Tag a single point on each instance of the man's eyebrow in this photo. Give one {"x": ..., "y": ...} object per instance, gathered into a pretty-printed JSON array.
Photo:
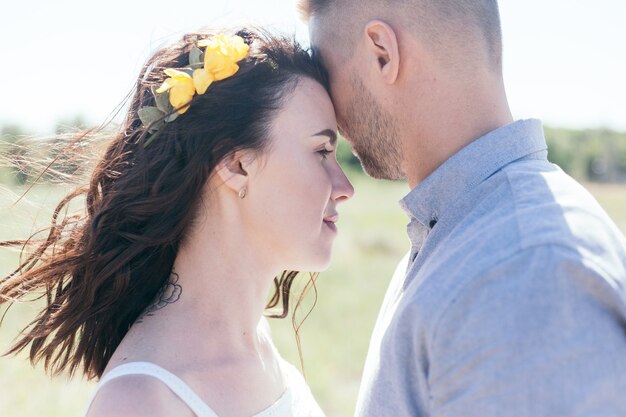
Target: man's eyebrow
[{"x": 330, "y": 133}]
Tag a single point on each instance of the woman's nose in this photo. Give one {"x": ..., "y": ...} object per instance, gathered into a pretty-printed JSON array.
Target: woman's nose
[{"x": 342, "y": 188}]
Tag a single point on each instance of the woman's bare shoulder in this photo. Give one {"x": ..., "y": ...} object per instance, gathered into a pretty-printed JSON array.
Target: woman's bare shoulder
[{"x": 137, "y": 396}]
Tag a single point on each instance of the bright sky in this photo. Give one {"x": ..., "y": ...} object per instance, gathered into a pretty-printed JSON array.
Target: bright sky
[{"x": 564, "y": 60}]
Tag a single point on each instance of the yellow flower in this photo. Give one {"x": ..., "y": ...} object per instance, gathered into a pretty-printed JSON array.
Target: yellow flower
[
  {"x": 222, "y": 54},
  {"x": 220, "y": 61},
  {"x": 215, "y": 61},
  {"x": 181, "y": 87},
  {"x": 202, "y": 79},
  {"x": 234, "y": 46},
  {"x": 226, "y": 72}
]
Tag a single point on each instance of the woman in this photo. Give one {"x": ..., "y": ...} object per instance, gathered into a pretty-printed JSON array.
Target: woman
[{"x": 223, "y": 176}]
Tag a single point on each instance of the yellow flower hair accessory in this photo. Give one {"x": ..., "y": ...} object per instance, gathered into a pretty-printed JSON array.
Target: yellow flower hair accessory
[{"x": 217, "y": 62}]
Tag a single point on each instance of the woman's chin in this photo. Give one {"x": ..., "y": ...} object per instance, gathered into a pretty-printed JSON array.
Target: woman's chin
[{"x": 318, "y": 264}]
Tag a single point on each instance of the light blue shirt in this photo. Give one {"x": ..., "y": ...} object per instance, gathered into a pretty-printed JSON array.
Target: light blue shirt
[{"x": 512, "y": 300}]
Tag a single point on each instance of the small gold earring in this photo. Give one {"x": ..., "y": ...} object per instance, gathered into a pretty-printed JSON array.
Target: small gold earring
[{"x": 243, "y": 192}]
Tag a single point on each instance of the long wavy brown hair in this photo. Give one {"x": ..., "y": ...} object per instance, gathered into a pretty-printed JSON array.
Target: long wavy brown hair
[{"x": 101, "y": 269}]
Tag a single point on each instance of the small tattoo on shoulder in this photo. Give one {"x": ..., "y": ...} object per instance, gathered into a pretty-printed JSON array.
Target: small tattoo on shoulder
[{"x": 169, "y": 294}]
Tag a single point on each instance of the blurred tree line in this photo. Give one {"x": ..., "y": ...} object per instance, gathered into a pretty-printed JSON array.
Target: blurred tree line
[
  {"x": 597, "y": 155},
  {"x": 593, "y": 154}
]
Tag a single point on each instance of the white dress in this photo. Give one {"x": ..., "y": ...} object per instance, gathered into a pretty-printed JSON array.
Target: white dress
[{"x": 296, "y": 401}]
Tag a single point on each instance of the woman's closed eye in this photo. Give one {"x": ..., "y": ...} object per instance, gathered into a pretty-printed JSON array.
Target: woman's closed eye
[{"x": 326, "y": 151}]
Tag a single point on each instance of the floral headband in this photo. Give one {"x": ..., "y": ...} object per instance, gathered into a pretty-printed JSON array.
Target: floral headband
[{"x": 217, "y": 62}]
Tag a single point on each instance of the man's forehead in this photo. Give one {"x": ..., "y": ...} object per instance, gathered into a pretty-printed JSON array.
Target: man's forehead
[
  {"x": 320, "y": 40},
  {"x": 316, "y": 29}
]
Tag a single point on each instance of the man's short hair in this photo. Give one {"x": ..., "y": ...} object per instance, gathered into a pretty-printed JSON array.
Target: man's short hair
[{"x": 437, "y": 21}]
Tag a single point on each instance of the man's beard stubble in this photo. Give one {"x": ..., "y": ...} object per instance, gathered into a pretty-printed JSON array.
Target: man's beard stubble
[{"x": 373, "y": 135}]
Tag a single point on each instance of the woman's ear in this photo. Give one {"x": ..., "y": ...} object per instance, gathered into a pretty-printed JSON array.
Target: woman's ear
[
  {"x": 382, "y": 47},
  {"x": 234, "y": 171}
]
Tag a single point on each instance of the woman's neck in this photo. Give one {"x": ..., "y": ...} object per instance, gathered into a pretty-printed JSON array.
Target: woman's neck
[
  {"x": 215, "y": 300},
  {"x": 224, "y": 287}
]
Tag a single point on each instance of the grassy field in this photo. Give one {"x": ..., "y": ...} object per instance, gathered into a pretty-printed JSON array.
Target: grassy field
[{"x": 335, "y": 337}]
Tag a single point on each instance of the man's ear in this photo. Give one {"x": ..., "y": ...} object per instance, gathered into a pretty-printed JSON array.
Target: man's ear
[
  {"x": 382, "y": 47},
  {"x": 234, "y": 170}
]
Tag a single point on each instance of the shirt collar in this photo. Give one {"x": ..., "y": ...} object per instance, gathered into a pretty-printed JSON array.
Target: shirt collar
[{"x": 472, "y": 165}]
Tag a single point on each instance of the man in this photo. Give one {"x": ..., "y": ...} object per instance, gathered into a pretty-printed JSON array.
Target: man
[{"x": 512, "y": 300}]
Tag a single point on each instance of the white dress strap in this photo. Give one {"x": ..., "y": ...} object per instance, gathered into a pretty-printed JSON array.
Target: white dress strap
[{"x": 182, "y": 390}]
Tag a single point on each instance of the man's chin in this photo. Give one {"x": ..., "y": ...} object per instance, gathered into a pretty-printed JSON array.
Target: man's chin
[
  {"x": 381, "y": 176},
  {"x": 380, "y": 173}
]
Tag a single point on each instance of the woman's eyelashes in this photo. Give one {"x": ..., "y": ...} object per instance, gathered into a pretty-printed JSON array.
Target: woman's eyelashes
[{"x": 327, "y": 150}]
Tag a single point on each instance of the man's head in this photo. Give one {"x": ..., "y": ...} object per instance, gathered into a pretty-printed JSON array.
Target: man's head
[
  {"x": 393, "y": 63},
  {"x": 437, "y": 22}
]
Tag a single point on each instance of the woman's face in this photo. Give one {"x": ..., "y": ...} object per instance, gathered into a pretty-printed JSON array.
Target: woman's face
[{"x": 293, "y": 196}]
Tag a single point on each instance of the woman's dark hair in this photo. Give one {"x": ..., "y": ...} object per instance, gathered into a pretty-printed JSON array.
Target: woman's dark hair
[{"x": 101, "y": 270}]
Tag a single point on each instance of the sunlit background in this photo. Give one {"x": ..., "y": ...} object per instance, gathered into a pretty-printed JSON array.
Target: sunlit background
[
  {"x": 564, "y": 60},
  {"x": 70, "y": 63}
]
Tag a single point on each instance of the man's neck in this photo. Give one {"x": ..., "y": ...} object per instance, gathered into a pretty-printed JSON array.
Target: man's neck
[{"x": 454, "y": 121}]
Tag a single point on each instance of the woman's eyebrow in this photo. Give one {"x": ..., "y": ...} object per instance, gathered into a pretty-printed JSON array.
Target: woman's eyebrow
[{"x": 330, "y": 133}]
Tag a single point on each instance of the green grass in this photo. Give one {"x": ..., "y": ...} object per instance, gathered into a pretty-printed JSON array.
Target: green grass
[{"x": 335, "y": 337}]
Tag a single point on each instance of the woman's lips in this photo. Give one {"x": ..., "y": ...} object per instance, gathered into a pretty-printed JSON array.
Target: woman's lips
[{"x": 330, "y": 221}]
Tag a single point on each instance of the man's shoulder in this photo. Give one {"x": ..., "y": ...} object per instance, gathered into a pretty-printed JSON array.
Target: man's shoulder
[
  {"x": 534, "y": 212},
  {"x": 551, "y": 208},
  {"x": 534, "y": 203}
]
